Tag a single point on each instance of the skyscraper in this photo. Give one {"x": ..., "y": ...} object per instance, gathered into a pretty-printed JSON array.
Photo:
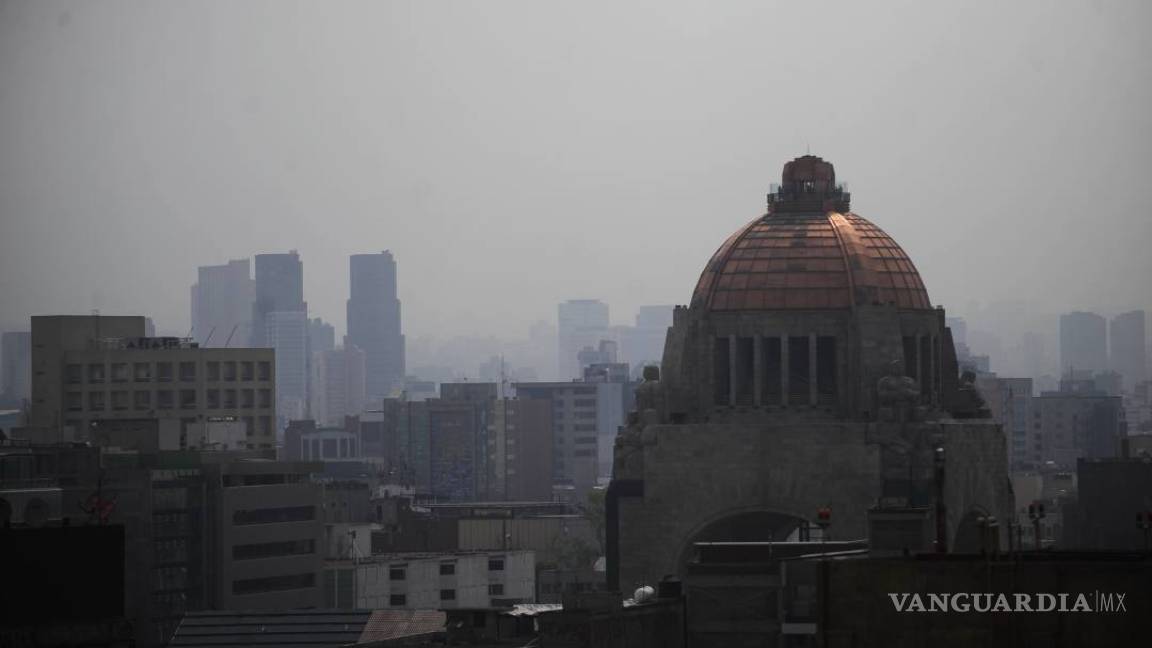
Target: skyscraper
[
  {"x": 280, "y": 321},
  {"x": 16, "y": 374},
  {"x": 279, "y": 287},
  {"x": 374, "y": 322},
  {"x": 1083, "y": 343},
  {"x": 222, "y": 304},
  {"x": 1127, "y": 348},
  {"x": 337, "y": 384},
  {"x": 582, "y": 322}
]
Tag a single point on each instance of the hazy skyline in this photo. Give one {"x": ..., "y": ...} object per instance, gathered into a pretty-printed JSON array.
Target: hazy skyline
[{"x": 513, "y": 155}]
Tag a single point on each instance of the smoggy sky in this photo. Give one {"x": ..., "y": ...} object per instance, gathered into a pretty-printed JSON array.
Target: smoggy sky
[{"x": 515, "y": 154}]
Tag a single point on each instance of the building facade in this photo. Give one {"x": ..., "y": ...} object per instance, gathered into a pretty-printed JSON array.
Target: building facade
[
  {"x": 16, "y": 366},
  {"x": 1083, "y": 343},
  {"x": 1127, "y": 348},
  {"x": 582, "y": 322},
  {"x": 374, "y": 322},
  {"x": 222, "y": 300},
  {"x": 91, "y": 370},
  {"x": 434, "y": 581},
  {"x": 810, "y": 371},
  {"x": 338, "y": 384}
]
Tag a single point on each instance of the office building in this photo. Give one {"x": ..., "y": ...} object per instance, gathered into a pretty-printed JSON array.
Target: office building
[
  {"x": 279, "y": 287},
  {"x": 15, "y": 367},
  {"x": 374, "y": 322},
  {"x": 1128, "y": 351},
  {"x": 1078, "y": 421},
  {"x": 1083, "y": 343},
  {"x": 97, "y": 368},
  {"x": 222, "y": 300},
  {"x": 582, "y": 322},
  {"x": 286, "y": 333},
  {"x": 338, "y": 384}
]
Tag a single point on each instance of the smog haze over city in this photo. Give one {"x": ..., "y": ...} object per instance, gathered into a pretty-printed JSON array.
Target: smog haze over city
[
  {"x": 666, "y": 324},
  {"x": 515, "y": 154}
]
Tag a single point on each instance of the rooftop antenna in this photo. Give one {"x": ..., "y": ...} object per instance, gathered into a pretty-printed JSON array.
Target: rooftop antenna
[{"x": 209, "y": 336}]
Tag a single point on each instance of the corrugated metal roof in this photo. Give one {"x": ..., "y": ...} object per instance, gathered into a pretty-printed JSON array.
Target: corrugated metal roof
[
  {"x": 310, "y": 628},
  {"x": 393, "y": 624}
]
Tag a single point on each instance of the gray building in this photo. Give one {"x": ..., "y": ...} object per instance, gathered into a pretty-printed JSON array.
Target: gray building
[
  {"x": 279, "y": 287},
  {"x": 222, "y": 304},
  {"x": 1083, "y": 343},
  {"x": 374, "y": 322},
  {"x": 1127, "y": 349},
  {"x": 582, "y": 322},
  {"x": 16, "y": 366},
  {"x": 1077, "y": 421},
  {"x": 1010, "y": 401},
  {"x": 99, "y": 368}
]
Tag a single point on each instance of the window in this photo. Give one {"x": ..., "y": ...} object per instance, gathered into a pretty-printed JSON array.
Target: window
[
  {"x": 249, "y": 426},
  {"x": 274, "y": 515},
  {"x": 213, "y": 398},
  {"x": 771, "y": 358},
  {"x": 96, "y": 401},
  {"x": 584, "y": 415},
  {"x": 799, "y": 370},
  {"x": 397, "y": 600},
  {"x": 496, "y": 589},
  {"x": 229, "y": 399},
  {"x": 164, "y": 371},
  {"x": 274, "y": 583},
  {"x": 74, "y": 401},
  {"x": 264, "y": 370},
  {"x": 273, "y": 549},
  {"x": 585, "y": 439},
  {"x": 142, "y": 400},
  {"x": 142, "y": 371},
  {"x": 584, "y": 402},
  {"x": 447, "y": 595},
  {"x": 230, "y": 371},
  {"x": 447, "y": 568},
  {"x": 265, "y": 398},
  {"x": 584, "y": 453},
  {"x": 187, "y": 371},
  {"x": 721, "y": 376},
  {"x": 213, "y": 371},
  {"x": 95, "y": 373},
  {"x": 119, "y": 372},
  {"x": 247, "y": 398},
  {"x": 496, "y": 563},
  {"x": 164, "y": 399},
  {"x": 73, "y": 374},
  {"x": 187, "y": 399},
  {"x": 398, "y": 572},
  {"x": 246, "y": 371},
  {"x": 120, "y": 400},
  {"x": 266, "y": 426},
  {"x": 584, "y": 427}
]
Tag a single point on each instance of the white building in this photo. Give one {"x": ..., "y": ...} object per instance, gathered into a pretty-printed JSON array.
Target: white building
[{"x": 432, "y": 581}]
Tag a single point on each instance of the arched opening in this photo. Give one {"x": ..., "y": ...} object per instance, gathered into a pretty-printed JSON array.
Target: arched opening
[
  {"x": 977, "y": 532},
  {"x": 751, "y": 526}
]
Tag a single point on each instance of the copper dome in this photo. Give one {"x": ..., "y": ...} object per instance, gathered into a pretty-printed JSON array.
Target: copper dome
[{"x": 803, "y": 256}]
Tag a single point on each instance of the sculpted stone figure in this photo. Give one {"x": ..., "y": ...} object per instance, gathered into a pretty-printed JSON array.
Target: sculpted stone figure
[
  {"x": 649, "y": 396},
  {"x": 969, "y": 402},
  {"x": 896, "y": 389}
]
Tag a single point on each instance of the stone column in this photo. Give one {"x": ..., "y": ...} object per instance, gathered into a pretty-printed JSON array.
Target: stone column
[
  {"x": 784, "y": 388},
  {"x": 812, "y": 396},
  {"x": 732, "y": 389},
  {"x": 757, "y": 369}
]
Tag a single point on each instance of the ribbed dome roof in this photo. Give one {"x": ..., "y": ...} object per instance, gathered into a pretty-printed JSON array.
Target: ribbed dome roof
[{"x": 809, "y": 261}]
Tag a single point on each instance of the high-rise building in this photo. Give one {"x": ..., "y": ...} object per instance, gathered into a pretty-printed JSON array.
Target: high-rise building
[
  {"x": 321, "y": 336},
  {"x": 16, "y": 366},
  {"x": 222, "y": 304},
  {"x": 643, "y": 344},
  {"x": 374, "y": 321},
  {"x": 1083, "y": 343},
  {"x": 279, "y": 287},
  {"x": 1010, "y": 402},
  {"x": 1077, "y": 421},
  {"x": 582, "y": 322},
  {"x": 1127, "y": 348},
  {"x": 337, "y": 384},
  {"x": 286, "y": 332}
]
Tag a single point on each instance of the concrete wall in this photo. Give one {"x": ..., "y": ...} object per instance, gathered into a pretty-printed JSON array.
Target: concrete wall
[{"x": 422, "y": 583}]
